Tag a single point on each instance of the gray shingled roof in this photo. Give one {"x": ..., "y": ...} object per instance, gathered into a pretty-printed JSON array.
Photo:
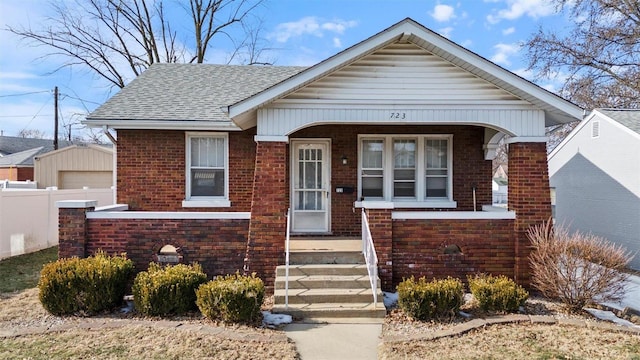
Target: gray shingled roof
[
  {"x": 23, "y": 158},
  {"x": 189, "y": 91},
  {"x": 627, "y": 117},
  {"x": 14, "y": 144}
]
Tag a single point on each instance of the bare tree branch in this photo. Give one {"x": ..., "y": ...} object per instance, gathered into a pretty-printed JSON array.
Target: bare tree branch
[
  {"x": 599, "y": 55},
  {"x": 118, "y": 39}
]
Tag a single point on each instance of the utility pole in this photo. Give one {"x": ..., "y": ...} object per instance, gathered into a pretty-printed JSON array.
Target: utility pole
[{"x": 55, "y": 118}]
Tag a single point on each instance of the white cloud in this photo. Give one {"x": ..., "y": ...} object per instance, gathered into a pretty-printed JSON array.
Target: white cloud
[
  {"x": 508, "y": 31},
  {"x": 336, "y": 42},
  {"x": 339, "y": 26},
  {"x": 446, "y": 32},
  {"x": 518, "y": 8},
  {"x": 443, "y": 13},
  {"x": 503, "y": 52},
  {"x": 309, "y": 25}
]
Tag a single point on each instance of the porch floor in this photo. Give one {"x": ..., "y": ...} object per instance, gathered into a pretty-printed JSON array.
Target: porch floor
[{"x": 334, "y": 244}]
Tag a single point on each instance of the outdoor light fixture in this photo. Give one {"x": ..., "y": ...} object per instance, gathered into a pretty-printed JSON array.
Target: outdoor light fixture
[{"x": 344, "y": 159}]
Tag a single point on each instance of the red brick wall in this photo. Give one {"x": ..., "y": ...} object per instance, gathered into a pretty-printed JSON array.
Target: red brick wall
[
  {"x": 469, "y": 166},
  {"x": 218, "y": 245},
  {"x": 418, "y": 248},
  {"x": 151, "y": 170},
  {"x": 529, "y": 197}
]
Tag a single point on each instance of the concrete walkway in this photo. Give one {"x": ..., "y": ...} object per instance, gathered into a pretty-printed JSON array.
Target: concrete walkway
[{"x": 319, "y": 341}]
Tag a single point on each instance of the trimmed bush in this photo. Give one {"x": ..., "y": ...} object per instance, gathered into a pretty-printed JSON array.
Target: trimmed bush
[
  {"x": 424, "y": 300},
  {"x": 167, "y": 290},
  {"x": 497, "y": 293},
  {"x": 577, "y": 269},
  {"x": 84, "y": 286},
  {"x": 232, "y": 298}
]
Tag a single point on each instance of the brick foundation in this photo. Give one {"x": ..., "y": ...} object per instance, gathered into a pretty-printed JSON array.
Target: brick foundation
[
  {"x": 218, "y": 245},
  {"x": 419, "y": 248}
]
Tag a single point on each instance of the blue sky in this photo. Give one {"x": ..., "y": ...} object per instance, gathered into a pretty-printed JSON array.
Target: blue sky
[{"x": 300, "y": 32}]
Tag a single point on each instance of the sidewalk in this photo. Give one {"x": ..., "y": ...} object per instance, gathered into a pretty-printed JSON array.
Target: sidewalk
[{"x": 319, "y": 341}]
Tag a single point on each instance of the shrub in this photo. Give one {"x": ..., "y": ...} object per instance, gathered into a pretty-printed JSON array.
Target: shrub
[
  {"x": 167, "y": 290},
  {"x": 497, "y": 292},
  {"x": 423, "y": 300},
  {"x": 232, "y": 298},
  {"x": 576, "y": 269},
  {"x": 84, "y": 286}
]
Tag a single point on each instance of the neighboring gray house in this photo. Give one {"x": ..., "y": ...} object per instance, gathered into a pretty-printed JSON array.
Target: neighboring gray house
[{"x": 595, "y": 173}]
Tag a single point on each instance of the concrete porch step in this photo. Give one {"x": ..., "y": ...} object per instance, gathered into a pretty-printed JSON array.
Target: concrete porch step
[
  {"x": 323, "y": 269},
  {"x": 325, "y": 244},
  {"x": 332, "y": 311},
  {"x": 324, "y": 281},
  {"x": 303, "y": 257},
  {"x": 325, "y": 295}
]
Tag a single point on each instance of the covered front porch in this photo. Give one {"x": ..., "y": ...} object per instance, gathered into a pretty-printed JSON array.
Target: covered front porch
[
  {"x": 419, "y": 227},
  {"x": 409, "y": 122}
]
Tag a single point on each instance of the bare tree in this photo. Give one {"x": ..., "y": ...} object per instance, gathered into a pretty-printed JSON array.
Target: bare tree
[
  {"x": 600, "y": 53},
  {"x": 32, "y": 134},
  {"x": 118, "y": 39}
]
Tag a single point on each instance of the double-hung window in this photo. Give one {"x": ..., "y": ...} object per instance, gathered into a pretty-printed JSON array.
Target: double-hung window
[
  {"x": 404, "y": 168},
  {"x": 372, "y": 168},
  {"x": 207, "y": 170},
  {"x": 411, "y": 170}
]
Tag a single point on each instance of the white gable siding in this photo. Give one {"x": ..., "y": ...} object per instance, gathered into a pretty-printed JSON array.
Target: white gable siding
[
  {"x": 406, "y": 81},
  {"x": 403, "y": 74},
  {"x": 615, "y": 151}
]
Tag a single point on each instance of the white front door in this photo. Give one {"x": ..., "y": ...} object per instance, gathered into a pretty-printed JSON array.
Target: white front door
[{"x": 310, "y": 186}]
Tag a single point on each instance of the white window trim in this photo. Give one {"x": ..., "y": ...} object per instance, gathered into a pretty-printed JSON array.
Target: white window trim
[
  {"x": 420, "y": 201},
  {"x": 205, "y": 201}
]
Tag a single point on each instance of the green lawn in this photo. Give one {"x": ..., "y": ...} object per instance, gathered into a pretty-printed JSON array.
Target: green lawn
[{"x": 22, "y": 272}]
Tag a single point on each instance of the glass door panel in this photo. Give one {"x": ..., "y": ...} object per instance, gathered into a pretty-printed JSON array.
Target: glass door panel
[{"x": 310, "y": 187}]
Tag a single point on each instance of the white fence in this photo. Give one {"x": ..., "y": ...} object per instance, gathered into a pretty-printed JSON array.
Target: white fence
[{"x": 29, "y": 218}]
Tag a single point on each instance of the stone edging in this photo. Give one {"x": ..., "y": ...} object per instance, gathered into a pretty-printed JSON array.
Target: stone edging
[
  {"x": 92, "y": 324},
  {"x": 511, "y": 319}
]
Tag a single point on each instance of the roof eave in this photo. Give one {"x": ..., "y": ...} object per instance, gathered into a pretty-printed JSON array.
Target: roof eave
[{"x": 192, "y": 125}]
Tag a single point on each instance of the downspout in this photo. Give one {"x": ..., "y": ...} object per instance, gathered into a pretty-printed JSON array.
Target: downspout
[{"x": 105, "y": 129}]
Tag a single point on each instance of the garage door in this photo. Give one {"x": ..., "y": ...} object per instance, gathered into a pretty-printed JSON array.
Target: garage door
[{"x": 80, "y": 179}]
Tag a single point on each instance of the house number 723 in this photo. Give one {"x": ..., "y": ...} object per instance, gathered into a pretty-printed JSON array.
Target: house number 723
[{"x": 398, "y": 115}]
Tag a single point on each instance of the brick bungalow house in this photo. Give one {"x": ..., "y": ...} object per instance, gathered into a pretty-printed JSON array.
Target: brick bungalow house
[{"x": 402, "y": 126}]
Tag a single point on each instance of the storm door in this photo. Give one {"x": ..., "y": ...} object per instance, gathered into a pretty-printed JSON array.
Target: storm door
[{"x": 310, "y": 186}]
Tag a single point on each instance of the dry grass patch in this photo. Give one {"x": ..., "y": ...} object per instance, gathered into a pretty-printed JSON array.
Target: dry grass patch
[
  {"x": 134, "y": 339},
  {"x": 23, "y": 309},
  {"x": 139, "y": 342},
  {"x": 522, "y": 341}
]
